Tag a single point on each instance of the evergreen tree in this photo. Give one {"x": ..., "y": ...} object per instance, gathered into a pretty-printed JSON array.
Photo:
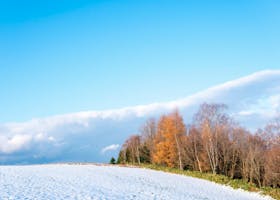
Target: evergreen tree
[{"x": 113, "y": 161}]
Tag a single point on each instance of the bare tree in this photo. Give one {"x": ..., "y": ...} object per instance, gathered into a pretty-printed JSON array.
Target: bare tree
[
  {"x": 134, "y": 145},
  {"x": 179, "y": 134},
  {"x": 272, "y": 165},
  {"x": 238, "y": 148},
  {"x": 252, "y": 159},
  {"x": 130, "y": 151},
  {"x": 194, "y": 149},
  {"x": 210, "y": 119},
  {"x": 148, "y": 132}
]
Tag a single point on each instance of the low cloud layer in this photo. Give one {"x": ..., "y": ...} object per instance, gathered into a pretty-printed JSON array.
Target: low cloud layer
[
  {"x": 96, "y": 135},
  {"x": 111, "y": 147}
]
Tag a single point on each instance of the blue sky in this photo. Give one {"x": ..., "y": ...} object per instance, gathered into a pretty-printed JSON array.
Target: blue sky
[{"x": 66, "y": 56}]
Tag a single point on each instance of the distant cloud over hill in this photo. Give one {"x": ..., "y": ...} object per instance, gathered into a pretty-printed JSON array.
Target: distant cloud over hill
[{"x": 96, "y": 135}]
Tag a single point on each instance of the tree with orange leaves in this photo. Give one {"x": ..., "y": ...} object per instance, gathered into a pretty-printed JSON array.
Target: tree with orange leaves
[{"x": 168, "y": 141}]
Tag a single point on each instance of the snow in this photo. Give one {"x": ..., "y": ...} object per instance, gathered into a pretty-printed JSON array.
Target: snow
[{"x": 64, "y": 181}]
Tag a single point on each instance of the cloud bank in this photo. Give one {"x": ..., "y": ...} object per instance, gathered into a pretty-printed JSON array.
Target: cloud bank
[
  {"x": 111, "y": 147},
  {"x": 96, "y": 135}
]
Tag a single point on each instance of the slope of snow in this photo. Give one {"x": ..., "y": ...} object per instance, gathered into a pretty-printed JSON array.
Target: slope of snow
[{"x": 108, "y": 182}]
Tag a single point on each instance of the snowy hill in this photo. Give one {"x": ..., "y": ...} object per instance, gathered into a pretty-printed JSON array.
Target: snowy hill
[
  {"x": 108, "y": 182},
  {"x": 97, "y": 135}
]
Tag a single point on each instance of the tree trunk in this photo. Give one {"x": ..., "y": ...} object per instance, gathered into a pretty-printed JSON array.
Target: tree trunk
[{"x": 179, "y": 153}]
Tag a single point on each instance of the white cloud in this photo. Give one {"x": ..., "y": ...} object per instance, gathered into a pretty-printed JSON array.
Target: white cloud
[
  {"x": 252, "y": 99},
  {"x": 111, "y": 147},
  {"x": 15, "y": 143},
  {"x": 246, "y": 113},
  {"x": 266, "y": 107}
]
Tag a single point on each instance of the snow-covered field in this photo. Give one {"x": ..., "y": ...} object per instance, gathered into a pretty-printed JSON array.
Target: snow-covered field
[{"x": 62, "y": 181}]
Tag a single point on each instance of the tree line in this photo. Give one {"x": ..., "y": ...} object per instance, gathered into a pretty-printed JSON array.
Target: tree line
[{"x": 213, "y": 142}]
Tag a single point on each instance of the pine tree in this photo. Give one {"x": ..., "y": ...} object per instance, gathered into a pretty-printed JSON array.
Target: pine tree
[{"x": 113, "y": 161}]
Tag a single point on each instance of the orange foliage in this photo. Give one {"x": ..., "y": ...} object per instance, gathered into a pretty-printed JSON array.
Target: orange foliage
[{"x": 167, "y": 143}]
